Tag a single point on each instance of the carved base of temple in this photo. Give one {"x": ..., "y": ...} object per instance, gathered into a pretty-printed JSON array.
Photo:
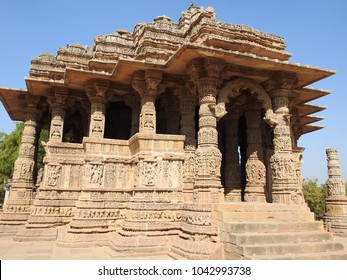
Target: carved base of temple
[
  {"x": 126, "y": 245},
  {"x": 82, "y": 240},
  {"x": 255, "y": 193},
  {"x": 232, "y": 194},
  {"x": 287, "y": 195},
  {"x": 39, "y": 234},
  {"x": 196, "y": 249},
  {"x": 15, "y": 214},
  {"x": 335, "y": 218},
  {"x": 6, "y": 229},
  {"x": 207, "y": 193}
]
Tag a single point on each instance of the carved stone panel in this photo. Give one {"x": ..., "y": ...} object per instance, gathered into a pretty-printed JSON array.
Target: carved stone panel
[
  {"x": 149, "y": 173},
  {"x": 53, "y": 175},
  {"x": 94, "y": 174}
]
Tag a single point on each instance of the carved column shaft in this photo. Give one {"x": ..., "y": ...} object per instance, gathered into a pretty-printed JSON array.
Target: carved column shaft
[
  {"x": 284, "y": 162},
  {"x": 135, "y": 116},
  {"x": 208, "y": 157},
  {"x": 255, "y": 167},
  {"x": 187, "y": 108},
  {"x": 146, "y": 83},
  {"x": 16, "y": 209},
  {"x": 148, "y": 114},
  {"x": 97, "y": 117},
  {"x": 57, "y": 103},
  {"x": 232, "y": 167},
  {"x": 335, "y": 217},
  {"x": 57, "y": 122},
  {"x": 96, "y": 92},
  {"x": 336, "y": 186},
  {"x": 24, "y": 165}
]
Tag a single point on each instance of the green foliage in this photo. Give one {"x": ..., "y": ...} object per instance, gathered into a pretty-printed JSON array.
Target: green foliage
[
  {"x": 315, "y": 196},
  {"x": 9, "y": 148}
]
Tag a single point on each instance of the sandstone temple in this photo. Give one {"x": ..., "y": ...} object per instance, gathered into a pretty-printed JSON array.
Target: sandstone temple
[{"x": 179, "y": 138}]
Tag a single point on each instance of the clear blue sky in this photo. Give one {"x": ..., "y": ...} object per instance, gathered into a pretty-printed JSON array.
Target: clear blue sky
[{"x": 314, "y": 32}]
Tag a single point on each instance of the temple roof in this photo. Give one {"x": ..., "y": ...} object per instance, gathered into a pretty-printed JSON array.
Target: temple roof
[{"x": 168, "y": 46}]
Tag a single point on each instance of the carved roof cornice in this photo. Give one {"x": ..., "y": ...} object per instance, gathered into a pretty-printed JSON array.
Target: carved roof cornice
[{"x": 176, "y": 50}]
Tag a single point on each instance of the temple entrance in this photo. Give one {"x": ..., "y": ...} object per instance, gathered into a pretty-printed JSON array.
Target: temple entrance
[
  {"x": 232, "y": 142},
  {"x": 245, "y": 141}
]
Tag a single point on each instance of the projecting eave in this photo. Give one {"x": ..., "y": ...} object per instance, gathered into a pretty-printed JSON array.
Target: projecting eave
[
  {"x": 305, "y": 95},
  {"x": 306, "y": 120},
  {"x": 309, "y": 109},
  {"x": 311, "y": 128},
  {"x": 42, "y": 87},
  {"x": 305, "y": 74},
  {"x": 11, "y": 99}
]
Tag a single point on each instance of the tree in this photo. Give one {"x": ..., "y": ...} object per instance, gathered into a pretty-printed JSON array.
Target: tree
[{"x": 315, "y": 196}]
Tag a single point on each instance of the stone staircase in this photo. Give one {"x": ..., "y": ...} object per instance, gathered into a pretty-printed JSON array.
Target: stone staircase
[{"x": 274, "y": 231}]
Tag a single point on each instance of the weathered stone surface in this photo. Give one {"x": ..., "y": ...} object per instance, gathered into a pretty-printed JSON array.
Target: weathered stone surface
[
  {"x": 335, "y": 217},
  {"x": 151, "y": 131}
]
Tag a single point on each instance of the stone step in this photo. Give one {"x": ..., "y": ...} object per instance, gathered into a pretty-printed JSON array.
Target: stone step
[
  {"x": 336, "y": 255},
  {"x": 265, "y": 216},
  {"x": 273, "y": 238},
  {"x": 286, "y": 248},
  {"x": 260, "y": 207},
  {"x": 264, "y": 227}
]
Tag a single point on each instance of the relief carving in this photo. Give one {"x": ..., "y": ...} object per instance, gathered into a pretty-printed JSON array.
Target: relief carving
[
  {"x": 94, "y": 174},
  {"x": 149, "y": 173},
  {"x": 53, "y": 175}
]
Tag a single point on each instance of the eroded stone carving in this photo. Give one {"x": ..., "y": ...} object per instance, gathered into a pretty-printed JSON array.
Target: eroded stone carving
[
  {"x": 152, "y": 191},
  {"x": 335, "y": 217}
]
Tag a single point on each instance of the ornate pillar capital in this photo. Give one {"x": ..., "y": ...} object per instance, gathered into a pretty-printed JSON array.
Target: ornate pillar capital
[
  {"x": 147, "y": 85},
  {"x": 96, "y": 92}
]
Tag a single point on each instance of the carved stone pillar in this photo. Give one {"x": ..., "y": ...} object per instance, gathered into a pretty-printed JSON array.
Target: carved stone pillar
[
  {"x": 96, "y": 94},
  {"x": 16, "y": 209},
  {"x": 187, "y": 110},
  {"x": 208, "y": 187},
  {"x": 57, "y": 104},
  {"x": 255, "y": 167},
  {"x": 146, "y": 84},
  {"x": 232, "y": 168},
  {"x": 335, "y": 217},
  {"x": 134, "y": 103},
  {"x": 283, "y": 162},
  {"x": 135, "y": 116}
]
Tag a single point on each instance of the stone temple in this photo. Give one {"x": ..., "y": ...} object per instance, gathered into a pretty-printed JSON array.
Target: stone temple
[{"x": 178, "y": 138}]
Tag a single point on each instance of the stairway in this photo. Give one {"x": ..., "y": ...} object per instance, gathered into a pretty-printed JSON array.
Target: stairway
[{"x": 274, "y": 231}]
